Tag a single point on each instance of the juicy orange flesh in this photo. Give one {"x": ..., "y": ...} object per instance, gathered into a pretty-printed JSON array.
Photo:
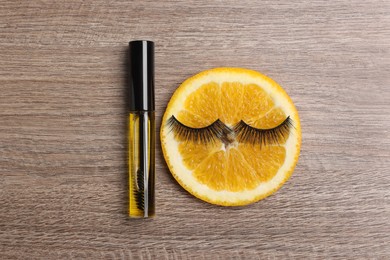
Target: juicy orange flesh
[{"x": 236, "y": 166}]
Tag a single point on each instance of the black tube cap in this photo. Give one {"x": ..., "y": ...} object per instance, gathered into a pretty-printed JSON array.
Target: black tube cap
[{"x": 141, "y": 92}]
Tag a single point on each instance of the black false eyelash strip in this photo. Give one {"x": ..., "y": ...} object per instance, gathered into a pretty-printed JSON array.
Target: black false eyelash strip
[
  {"x": 204, "y": 135},
  {"x": 248, "y": 134}
]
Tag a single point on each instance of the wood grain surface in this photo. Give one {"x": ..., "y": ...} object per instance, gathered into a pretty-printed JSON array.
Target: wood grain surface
[{"x": 63, "y": 178}]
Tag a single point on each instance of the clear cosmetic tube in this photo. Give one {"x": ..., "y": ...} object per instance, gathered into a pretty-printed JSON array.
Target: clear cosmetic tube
[{"x": 141, "y": 130}]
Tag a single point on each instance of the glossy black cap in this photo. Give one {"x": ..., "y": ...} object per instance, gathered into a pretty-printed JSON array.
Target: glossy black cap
[{"x": 141, "y": 92}]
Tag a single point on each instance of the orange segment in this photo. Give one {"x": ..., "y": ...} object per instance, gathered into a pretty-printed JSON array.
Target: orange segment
[
  {"x": 190, "y": 119},
  {"x": 205, "y": 102},
  {"x": 241, "y": 176},
  {"x": 256, "y": 103},
  {"x": 193, "y": 154},
  {"x": 273, "y": 118},
  {"x": 266, "y": 160},
  {"x": 231, "y": 102},
  {"x": 211, "y": 171}
]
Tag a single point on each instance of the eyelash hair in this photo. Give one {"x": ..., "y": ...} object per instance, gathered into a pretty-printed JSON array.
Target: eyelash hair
[
  {"x": 207, "y": 134},
  {"x": 248, "y": 134}
]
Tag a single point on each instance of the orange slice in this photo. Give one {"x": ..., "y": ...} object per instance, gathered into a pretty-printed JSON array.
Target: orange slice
[{"x": 232, "y": 172}]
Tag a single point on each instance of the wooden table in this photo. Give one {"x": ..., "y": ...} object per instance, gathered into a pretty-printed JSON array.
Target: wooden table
[{"x": 63, "y": 179}]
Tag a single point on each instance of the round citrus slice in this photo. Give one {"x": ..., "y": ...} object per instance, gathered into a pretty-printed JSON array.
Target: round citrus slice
[{"x": 230, "y": 136}]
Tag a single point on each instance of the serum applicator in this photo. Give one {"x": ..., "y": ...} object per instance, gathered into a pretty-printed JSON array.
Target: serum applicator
[{"x": 141, "y": 130}]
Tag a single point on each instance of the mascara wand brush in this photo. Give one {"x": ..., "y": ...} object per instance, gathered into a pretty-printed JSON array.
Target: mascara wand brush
[
  {"x": 143, "y": 131},
  {"x": 142, "y": 180}
]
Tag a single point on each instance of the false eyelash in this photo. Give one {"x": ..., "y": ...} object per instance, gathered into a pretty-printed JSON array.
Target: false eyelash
[
  {"x": 204, "y": 135},
  {"x": 249, "y": 134}
]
